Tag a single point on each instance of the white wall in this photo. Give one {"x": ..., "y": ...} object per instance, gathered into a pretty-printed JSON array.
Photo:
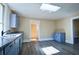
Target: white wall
[
  {"x": 25, "y": 27},
  {"x": 65, "y": 25},
  {"x": 46, "y": 29}
]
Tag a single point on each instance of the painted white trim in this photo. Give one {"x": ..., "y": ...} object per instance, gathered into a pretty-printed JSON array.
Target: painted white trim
[
  {"x": 42, "y": 39},
  {"x": 45, "y": 39},
  {"x": 75, "y": 17},
  {"x": 26, "y": 40},
  {"x": 70, "y": 42},
  {"x": 72, "y": 28}
]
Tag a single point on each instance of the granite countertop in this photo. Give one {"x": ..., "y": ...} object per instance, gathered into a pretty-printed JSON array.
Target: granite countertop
[{"x": 7, "y": 39}]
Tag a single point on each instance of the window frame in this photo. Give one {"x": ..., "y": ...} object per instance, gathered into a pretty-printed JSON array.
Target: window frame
[{"x": 2, "y": 17}]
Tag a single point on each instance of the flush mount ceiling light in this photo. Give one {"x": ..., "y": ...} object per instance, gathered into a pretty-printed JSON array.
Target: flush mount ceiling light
[{"x": 50, "y": 8}]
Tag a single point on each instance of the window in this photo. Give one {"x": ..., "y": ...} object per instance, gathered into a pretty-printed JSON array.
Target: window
[{"x": 1, "y": 18}]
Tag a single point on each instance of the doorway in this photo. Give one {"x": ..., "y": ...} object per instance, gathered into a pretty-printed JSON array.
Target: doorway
[
  {"x": 34, "y": 32},
  {"x": 76, "y": 30}
]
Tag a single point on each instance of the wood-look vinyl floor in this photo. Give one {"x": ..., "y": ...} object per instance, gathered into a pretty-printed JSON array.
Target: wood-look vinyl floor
[{"x": 34, "y": 48}]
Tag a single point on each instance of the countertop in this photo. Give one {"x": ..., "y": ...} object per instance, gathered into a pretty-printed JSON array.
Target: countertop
[{"x": 7, "y": 39}]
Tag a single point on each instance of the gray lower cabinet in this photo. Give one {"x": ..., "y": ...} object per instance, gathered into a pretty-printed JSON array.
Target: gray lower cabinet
[
  {"x": 1, "y": 52},
  {"x": 17, "y": 45},
  {"x": 14, "y": 47},
  {"x": 20, "y": 43},
  {"x": 11, "y": 49}
]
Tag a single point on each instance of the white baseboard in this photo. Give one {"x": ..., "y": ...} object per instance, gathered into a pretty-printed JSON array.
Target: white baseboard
[
  {"x": 26, "y": 40},
  {"x": 69, "y": 41},
  {"x": 41, "y": 39},
  {"x": 45, "y": 39}
]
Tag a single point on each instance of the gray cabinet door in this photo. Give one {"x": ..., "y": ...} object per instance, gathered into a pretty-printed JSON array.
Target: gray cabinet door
[
  {"x": 14, "y": 50},
  {"x": 20, "y": 43},
  {"x": 8, "y": 49},
  {"x": 14, "y": 47},
  {"x": 17, "y": 45},
  {"x": 1, "y": 52}
]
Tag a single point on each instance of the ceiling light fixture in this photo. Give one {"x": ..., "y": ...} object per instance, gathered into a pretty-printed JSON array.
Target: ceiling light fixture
[{"x": 49, "y": 7}]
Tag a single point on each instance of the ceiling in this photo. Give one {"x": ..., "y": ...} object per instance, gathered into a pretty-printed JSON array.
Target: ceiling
[{"x": 32, "y": 10}]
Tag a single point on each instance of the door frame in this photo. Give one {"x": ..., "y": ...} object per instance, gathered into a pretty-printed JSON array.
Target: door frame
[
  {"x": 72, "y": 27},
  {"x": 37, "y": 22}
]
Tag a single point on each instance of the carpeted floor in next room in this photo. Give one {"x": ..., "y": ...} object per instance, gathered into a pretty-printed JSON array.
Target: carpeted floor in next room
[{"x": 49, "y": 48}]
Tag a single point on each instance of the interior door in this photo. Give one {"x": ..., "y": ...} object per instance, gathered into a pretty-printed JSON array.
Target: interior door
[{"x": 76, "y": 31}]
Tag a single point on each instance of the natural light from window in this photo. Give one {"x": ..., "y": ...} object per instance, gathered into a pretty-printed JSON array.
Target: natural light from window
[
  {"x": 1, "y": 15},
  {"x": 50, "y": 50}
]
